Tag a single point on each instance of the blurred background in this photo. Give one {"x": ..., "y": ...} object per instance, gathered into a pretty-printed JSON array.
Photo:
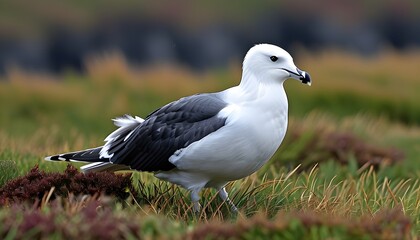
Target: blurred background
[
  {"x": 52, "y": 36},
  {"x": 68, "y": 67}
]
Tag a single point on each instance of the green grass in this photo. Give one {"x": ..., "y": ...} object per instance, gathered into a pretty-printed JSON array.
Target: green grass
[
  {"x": 41, "y": 116},
  {"x": 348, "y": 192}
]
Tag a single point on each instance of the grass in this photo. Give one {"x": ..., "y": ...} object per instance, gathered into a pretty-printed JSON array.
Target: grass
[
  {"x": 355, "y": 194},
  {"x": 312, "y": 188},
  {"x": 312, "y": 194}
]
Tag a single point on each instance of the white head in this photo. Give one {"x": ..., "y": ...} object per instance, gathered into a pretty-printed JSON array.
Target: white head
[{"x": 271, "y": 63}]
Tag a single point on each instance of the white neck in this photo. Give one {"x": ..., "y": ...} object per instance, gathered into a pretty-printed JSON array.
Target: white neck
[{"x": 252, "y": 87}]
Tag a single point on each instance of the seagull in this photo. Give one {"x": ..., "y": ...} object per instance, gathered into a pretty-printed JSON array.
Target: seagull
[{"x": 208, "y": 139}]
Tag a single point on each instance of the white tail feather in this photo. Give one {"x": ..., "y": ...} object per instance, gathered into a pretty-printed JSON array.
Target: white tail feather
[{"x": 126, "y": 124}]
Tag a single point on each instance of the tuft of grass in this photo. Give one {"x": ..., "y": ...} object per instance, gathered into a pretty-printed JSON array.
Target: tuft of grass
[
  {"x": 327, "y": 189},
  {"x": 315, "y": 146}
]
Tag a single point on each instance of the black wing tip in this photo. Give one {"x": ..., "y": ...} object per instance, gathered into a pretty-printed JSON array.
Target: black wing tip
[
  {"x": 56, "y": 158},
  {"x": 51, "y": 158}
]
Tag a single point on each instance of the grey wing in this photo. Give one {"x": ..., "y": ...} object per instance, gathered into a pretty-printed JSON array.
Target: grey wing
[{"x": 172, "y": 127}]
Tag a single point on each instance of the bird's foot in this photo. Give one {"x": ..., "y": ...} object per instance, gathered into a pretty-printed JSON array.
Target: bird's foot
[
  {"x": 224, "y": 196},
  {"x": 196, "y": 208},
  {"x": 234, "y": 209}
]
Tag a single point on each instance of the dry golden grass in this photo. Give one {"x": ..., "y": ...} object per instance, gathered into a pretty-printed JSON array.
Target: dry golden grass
[
  {"x": 390, "y": 74},
  {"x": 165, "y": 79}
]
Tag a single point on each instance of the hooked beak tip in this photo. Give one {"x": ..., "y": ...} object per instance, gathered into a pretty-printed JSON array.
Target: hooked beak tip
[
  {"x": 303, "y": 76},
  {"x": 306, "y": 78}
]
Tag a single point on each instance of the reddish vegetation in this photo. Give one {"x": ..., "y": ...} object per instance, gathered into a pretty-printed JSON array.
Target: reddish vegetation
[
  {"x": 388, "y": 224},
  {"x": 34, "y": 185},
  {"x": 341, "y": 145},
  {"x": 93, "y": 221},
  {"x": 322, "y": 146}
]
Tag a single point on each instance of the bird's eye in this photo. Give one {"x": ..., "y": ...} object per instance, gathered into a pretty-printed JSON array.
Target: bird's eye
[{"x": 274, "y": 58}]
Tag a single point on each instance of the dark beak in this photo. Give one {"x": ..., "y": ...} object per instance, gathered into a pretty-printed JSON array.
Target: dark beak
[
  {"x": 300, "y": 75},
  {"x": 304, "y": 77}
]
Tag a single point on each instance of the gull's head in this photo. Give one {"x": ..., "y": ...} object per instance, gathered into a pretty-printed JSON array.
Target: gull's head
[{"x": 271, "y": 63}]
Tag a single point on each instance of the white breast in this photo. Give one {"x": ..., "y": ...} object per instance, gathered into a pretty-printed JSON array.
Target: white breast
[{"x": 254, "y": 130}]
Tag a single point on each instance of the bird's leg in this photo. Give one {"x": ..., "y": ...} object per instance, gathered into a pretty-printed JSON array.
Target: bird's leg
[
  {"x": 195, "y": 198},
  {"x": 225, "y": 197}
]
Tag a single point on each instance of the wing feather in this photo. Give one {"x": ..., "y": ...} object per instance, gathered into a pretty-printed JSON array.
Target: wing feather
[{"x": 149, "y": 145}]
